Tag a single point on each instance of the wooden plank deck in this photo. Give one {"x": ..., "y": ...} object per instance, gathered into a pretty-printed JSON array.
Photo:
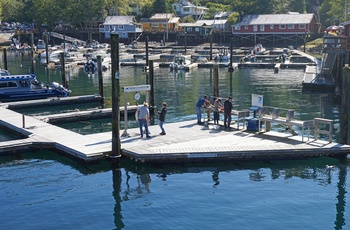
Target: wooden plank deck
[{"x": 185, "y": 141}]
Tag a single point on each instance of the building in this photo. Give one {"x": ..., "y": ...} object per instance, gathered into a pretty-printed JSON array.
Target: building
[
  {"x": 125, "y": 26},
  {"x": 161, "y": 22},
  {"x": 290, "y": 28},
  {"x": 185, "y": 8}
]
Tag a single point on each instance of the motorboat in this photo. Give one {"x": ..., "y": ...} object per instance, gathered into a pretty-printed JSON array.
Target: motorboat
[
  {"x": 40, "y": 44},
  {"x": 4, "y": 72},
  {"x": 91, "y": 64},
  {"x": 180, "y": 62},
  {"x": 259, "y": 49},
  {"x": 27, "y": 87},
  {"x": 223, "y": 55}
]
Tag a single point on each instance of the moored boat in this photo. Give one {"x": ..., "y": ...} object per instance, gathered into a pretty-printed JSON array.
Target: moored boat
[
  {"x": 27, "y": 87},
  {"x": 180, "y": 62}
]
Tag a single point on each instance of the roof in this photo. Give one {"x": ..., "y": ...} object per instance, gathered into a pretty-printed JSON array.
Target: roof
[
  {"x": 162, "y": 16},
  {"x": 174, "y": 20},
  {"x": 213, "y": 22},
  {"x": 190, "y": 24},
  {"x": 119, "y": 20},
  {"x": 266, "y": 19}
]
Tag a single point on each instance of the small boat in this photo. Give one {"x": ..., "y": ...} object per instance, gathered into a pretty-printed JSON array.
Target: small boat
[
  {"x": 4, "y": 72},
  {"x": 259, "y": 49},
  {"x": 27, "y": 87},
  {"x": 40, "y": 44},
  {"x": 180, "y": 62},
  {"x": 223, "y": 55}
]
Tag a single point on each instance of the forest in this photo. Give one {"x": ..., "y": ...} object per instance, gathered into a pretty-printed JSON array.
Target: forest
[{"x": 78, "y": 12}]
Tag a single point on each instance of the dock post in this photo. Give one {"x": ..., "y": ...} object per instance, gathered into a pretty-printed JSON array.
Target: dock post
[
  {"x": 147, "y": 64},
  {"x": 211, "y": 47},
  {"x": 5, "y": 58},
  {"x": 32, "y": 52},
  {"x": 63, "y": 70},
  {"x": 47, "y": 55},
  {"x": 216, "y": 80},
  {"x": 116, "y": 149},
  {"x": 151, "y": 82},
  {"x": 100, "y": 79},
  {"x": 23, "y": 121},
  {"x": 345, "y": 105},
  {"x": 230, "y": 68}
]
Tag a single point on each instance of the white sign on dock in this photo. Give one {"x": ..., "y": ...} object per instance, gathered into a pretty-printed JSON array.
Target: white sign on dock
[
  {"x": 257, "y": 100},
  {"x": 136, "y": 88}
]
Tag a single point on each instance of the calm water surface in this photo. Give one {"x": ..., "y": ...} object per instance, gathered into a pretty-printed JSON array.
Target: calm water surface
[{"x": 43, "y": 190}]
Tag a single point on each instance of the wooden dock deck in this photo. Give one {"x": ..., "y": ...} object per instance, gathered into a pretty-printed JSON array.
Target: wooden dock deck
[{"x": 185, "y": 142}]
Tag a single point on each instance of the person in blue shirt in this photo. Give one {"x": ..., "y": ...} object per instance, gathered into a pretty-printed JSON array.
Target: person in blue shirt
[
  {"x": 162, "y": 118},
  {"x": 199, "y": 105}
]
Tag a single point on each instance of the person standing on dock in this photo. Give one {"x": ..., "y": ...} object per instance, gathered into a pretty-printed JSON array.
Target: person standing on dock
[
  {"x": 143, "y": 119},
  {"x": 217, "y": 108},
  {"x": 199, "y": 105},
  {"x": 227, "y": 112},
  {"x": 162, "y": 118}
]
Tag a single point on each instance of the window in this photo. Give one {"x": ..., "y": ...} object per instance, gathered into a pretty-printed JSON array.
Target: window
[
  {"x": 302, "y": 26},
  {"x": 255, "y": 28},
  {"x": 186, "y": 9},
  {"x": 282, "y": 27},
  {"x": 262, "y": 27},
  {"x": 291, "y": 27},
  {"x": 154, "y": 24},
  {"x": 196, "y": 29},
  {"x": 189, "y": 29},
  {"x": 120, "y": 27},
  {"x": 237, "y": 27},
  {"x": 164, "y": 24},
  {"x": 272, "y": 27},
  {"x": 246, "y": 27}
]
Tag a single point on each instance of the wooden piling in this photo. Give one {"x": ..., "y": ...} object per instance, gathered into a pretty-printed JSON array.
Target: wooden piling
[
  {"x": 345, "y": 106},
  {"x": 151, "y": 82},
  {"x": 216, "y": 80},
  {"x": 116, "y": 147},
  {"x": 63, "y": 70},
  {"x": 147, "y": 64},
  {"x": 230, "y": 68},
  {"x": 5, "y": 58},
  {"x": 32, "y": 52},
  {"x": 100, "y": 78},
  {"x": 211, "y": 47}
]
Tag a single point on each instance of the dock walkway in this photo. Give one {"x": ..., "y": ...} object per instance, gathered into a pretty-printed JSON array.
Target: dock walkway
[{"x": 185, "y": 141}]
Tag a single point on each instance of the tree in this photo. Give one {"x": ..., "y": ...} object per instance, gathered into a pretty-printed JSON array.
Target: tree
[{"x": 253, "y": 6}]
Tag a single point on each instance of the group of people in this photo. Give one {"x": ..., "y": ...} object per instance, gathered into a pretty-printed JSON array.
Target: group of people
[
  {"x": 143, "y": 115},
  {"x": 217, "y": 108},
  {"x": 143, "y": 118}
]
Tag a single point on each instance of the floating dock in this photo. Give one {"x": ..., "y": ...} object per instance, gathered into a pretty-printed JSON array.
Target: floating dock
[{"x": 184, "y": 142}]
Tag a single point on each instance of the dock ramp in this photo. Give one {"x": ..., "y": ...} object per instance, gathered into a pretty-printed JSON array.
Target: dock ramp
[{"x": 66, "y": 38}]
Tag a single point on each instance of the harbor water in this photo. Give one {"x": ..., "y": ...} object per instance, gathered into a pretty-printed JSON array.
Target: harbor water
[{"x": 44, "y": 190}]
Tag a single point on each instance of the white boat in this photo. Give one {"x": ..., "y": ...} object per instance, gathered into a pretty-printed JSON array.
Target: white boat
[
  {"x": 180, "y": 62},
  {"x": 4, "y": 72},
  {"x": 259, "y": 49},
  {"x": 40, "y": 44},
  {"x": 223, "y": 55}
]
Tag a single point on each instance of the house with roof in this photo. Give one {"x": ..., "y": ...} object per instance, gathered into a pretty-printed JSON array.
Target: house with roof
[
  {"x": 161, "y": 22},
  {"x": 221, "y": 15},
  {"x": 125, "y": 26},
  {"x": 275, "y": 28},
  {"x": 185, "y": 8}
]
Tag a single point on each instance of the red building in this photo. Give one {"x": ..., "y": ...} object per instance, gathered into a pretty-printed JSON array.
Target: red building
[{"x": 270, "y": 29}]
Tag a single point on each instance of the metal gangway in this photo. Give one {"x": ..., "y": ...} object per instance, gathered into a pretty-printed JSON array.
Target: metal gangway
[{"x": 67, "y": 38}]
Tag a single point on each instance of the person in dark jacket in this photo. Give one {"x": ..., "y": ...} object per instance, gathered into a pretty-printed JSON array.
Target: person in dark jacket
[
  {"x": 227, "y": 112},
  {"x": 162, "y": 114}
]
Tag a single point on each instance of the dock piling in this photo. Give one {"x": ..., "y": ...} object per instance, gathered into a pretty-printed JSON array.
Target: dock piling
[
  {"x": 5, "y": 58},
  {"x": 100, "y": 78}
]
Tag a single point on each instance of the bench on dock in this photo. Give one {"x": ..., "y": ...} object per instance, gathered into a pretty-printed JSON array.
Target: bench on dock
[{"x": 267, "y": 116}]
